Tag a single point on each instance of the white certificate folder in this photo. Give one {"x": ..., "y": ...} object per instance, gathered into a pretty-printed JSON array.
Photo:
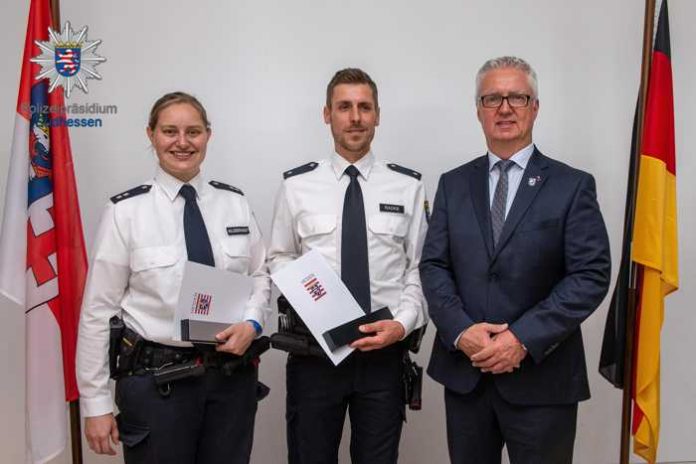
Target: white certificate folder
[
  {"x": 210, "y": 299},
  {"x": 319, "y": 297}
]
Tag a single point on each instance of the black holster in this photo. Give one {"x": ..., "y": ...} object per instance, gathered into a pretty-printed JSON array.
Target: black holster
[
  {"x": 124, "y": 346},
  {"x": 412, "y": 379},
  {"x": 412, "y": 373},
  {"x": 116, "y": 327}
]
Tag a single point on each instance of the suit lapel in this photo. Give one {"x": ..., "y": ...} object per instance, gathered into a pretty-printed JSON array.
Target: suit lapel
[
  {"x": 532, "y": 181},
  {"x": 478, "y": 182}
]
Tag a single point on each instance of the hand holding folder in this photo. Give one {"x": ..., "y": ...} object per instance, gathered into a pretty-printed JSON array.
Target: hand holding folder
[{"x": 210, "y": 300}]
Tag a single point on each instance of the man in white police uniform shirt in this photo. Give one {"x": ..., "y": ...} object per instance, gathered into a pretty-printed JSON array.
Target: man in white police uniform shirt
[
  {"x": 145, "y": 237},
  {"x": 367, "y": 218}
]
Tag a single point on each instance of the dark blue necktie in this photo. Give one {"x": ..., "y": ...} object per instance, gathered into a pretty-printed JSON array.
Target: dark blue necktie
[
  {"x": 355, "y": 268},
  {"x": 197, "y": 240}
]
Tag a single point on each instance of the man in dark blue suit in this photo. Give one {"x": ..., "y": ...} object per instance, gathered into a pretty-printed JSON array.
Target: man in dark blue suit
[{"x": 515, "y": 258}]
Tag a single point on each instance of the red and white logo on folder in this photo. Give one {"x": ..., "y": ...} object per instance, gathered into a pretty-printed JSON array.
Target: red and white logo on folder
[
  {"x": 314, "y": 287},
  {"x": 201, "y": 303}
]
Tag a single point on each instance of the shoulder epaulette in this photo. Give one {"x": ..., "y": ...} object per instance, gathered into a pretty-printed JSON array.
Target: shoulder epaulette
[
  {"x": 134, "y": 192},
  {"x": 300, "y": 170},
  {"x": 223, "y": 186},
  {"x": 403, "y": 170}
]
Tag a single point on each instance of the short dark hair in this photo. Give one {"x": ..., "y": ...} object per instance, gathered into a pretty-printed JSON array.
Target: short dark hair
[
  {"x": 173, "y": 98},
  {"x": 350, "y": 76}
]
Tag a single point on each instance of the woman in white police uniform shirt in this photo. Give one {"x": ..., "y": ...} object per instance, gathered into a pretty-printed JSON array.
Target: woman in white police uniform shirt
[{"x": 138, "y": 259}]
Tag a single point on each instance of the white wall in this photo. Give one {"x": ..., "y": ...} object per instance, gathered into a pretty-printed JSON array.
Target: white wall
[{"x": 261, "y": 69}]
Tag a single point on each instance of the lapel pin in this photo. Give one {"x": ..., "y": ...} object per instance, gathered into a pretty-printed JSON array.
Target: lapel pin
[{"x": 532, "y": 181}]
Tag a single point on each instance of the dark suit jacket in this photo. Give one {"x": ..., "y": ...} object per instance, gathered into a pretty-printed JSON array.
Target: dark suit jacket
[{"x": 548, "y": 273}]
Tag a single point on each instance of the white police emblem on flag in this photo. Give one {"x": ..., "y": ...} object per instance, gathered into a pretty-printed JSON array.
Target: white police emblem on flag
[{"x": 68, "y": 59}]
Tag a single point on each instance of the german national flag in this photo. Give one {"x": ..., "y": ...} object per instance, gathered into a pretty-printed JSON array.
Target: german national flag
[
  {"x": 654, "y": 241},
  {"x": 650, "y": 241}
]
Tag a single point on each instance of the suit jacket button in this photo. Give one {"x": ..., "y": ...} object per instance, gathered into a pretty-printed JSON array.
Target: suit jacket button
[{"x": 493, "y": 276}]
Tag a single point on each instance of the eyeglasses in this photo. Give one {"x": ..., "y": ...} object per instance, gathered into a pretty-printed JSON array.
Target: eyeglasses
[{"x": 515, "y": 100}]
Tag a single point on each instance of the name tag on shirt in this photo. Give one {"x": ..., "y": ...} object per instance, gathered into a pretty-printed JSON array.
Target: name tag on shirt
[
  {"x": 240, "y": 230},
  {"x": 387, "y": 208}
]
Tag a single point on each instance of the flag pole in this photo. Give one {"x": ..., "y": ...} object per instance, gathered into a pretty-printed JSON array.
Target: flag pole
[
  {"x": 628, "y": 371},
  {"x": 55, "y": 16},
  {"x": 75, "y": 432},
  {"x": 75, "y": 420}
]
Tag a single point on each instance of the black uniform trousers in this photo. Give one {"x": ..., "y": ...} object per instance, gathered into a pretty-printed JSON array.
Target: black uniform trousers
[
  {"x": 480, "y": 422},
  {"x": 367, "y": 385},
  {"x": 203, "y": 420}
]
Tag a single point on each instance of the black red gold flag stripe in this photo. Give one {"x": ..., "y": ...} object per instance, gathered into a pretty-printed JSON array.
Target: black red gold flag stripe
[{"x": 649, "y": 248}]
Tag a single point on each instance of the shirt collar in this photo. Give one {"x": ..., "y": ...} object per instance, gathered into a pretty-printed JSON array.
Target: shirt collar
[
  {"x": 171, "y": 185},
  {"x": 521, "y": 158},
  {"x": 364, "y": 164}
]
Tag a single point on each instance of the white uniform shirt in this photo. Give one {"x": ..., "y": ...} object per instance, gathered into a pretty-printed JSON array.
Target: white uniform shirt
[
  {"x": 308, "y": 214},
  {"x": 137, "y": 268}
]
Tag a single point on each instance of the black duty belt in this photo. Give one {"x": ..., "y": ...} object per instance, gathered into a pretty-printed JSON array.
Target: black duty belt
[{"x": 154, "y": 356}]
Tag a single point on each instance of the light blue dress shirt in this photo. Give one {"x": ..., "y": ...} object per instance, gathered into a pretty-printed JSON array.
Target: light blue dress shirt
[{"x": 520, "y": 160}]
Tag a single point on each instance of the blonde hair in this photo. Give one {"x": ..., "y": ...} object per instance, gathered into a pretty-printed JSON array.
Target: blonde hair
[{"x": 173, "y": 98}]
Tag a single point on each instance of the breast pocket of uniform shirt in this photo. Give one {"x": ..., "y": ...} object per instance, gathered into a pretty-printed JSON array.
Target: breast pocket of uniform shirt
[
  {"x": 317, "y": 232},
  {"x": 236, "y": 249},
  {"x": 152, "y": 258},
  {"x": 156, "y": 267},
  {"x": 390, "y": 228},
  {"x": 387, "y": 233}
]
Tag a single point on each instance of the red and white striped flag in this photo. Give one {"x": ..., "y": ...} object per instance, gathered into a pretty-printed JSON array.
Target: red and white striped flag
[{"x": 42, "y": 254}]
